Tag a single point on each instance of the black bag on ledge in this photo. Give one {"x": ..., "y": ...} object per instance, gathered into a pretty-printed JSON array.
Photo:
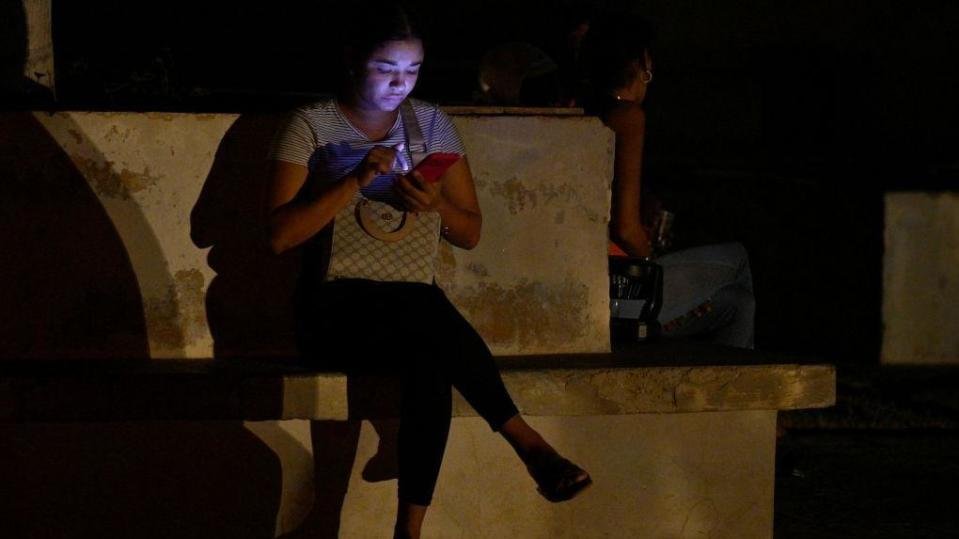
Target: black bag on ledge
[{"x": 635, "y": 298}]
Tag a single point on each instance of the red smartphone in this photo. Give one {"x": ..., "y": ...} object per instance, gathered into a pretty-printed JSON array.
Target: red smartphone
[{"x": 434, "y": 165}]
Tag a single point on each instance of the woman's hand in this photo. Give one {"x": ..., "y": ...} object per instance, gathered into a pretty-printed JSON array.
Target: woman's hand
[
  {"x": 418, "y": 194},
  {"x": 294, "y": 219},
  {"x": 636, "y": 241},
  {"x": 379, "y": 160},
  {"x": 453, "y": 197}
]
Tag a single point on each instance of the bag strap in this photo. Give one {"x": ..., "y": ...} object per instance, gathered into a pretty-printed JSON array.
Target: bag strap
[
  {"x": 416, "y": 147},
  {"x": 414, "y": 136}
]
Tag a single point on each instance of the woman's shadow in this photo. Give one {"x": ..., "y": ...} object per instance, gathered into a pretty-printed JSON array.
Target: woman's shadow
[
  {"x": 70, "y": 293},
  {"x": 251, "y": 315}
]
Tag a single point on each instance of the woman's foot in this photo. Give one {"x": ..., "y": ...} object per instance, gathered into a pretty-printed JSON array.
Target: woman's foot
[
  {"x": 558, "y": 479},
  {"x": 527, "y": 443}
]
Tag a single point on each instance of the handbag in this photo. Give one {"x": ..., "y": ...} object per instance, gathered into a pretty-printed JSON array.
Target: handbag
[{"x": 376, "y": 241}]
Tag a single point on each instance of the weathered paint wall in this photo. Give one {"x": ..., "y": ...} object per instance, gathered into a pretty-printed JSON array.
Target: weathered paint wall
[
  {"x": 536, "y": 283},
  {"x": 147, "y": 171},
  {"x": 921, "y": 279},
  {"x": 655, "y": 475},
  {"x": 39, "y": 67}
]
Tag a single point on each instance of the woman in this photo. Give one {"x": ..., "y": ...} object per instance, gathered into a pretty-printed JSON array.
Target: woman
[
  {"x": 707, "y": 291},
  {"x": 358, "y": 146}
]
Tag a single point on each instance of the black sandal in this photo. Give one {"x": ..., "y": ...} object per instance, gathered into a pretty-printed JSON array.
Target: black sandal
[{"x": 558, "y": 479}]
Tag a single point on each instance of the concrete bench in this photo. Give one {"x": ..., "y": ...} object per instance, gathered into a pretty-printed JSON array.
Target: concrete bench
[
  {"x": 152, "y": 265},
  {"x": 657, "y": 378},
  {"x": 660, "y": 428}
]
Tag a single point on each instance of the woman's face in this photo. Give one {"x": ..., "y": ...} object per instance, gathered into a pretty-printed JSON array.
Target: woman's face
[{"x": 389, "y": 74}]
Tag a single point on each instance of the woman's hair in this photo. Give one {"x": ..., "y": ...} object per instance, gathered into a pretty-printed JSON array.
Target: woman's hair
[
  {"x": 368, "y": 25},
  {"x": 614, "y": 51}
]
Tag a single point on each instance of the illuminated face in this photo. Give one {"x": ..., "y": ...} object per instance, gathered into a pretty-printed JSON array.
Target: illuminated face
[{"x": 390, "y": 74}]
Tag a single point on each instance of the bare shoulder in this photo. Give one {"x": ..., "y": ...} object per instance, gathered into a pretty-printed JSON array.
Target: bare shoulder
[{"x": 627, "y": 119}]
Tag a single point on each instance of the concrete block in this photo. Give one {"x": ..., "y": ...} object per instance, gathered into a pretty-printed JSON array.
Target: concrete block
[
  {"x": 537, "y": 283},
  {"x": 921, "y": 279},
  {"x": 677, "y": 475}
]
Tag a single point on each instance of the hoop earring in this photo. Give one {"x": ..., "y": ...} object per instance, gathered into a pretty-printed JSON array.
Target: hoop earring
[{"x": 646, "y": 77}]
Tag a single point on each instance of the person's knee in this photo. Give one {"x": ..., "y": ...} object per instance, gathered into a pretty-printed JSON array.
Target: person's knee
[
  {"x": 735, "y": 253},
  {"x": 737, "y": 307},
  {"x": 737, "y": 299}
]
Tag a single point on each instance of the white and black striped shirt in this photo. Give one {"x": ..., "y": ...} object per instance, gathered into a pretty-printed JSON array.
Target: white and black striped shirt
[{"x": 321, "y": 138}]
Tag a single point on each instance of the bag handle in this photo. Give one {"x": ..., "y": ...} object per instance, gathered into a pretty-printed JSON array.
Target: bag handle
[{"x": 364, "y": 214}]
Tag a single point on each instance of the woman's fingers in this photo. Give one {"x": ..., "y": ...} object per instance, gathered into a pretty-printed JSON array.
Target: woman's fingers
[
  {"x": 379, "y": 160},
  {"x": 417, "y": 193}
]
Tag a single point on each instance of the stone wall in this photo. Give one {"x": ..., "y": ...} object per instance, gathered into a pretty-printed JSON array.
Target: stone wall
[
  {"x": 921, "y": 279},
  {"x": 39, "y": 66},
  {"x": 182, "y": 195}
]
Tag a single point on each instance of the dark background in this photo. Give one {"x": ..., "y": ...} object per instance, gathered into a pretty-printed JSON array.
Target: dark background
[{"x": 776, "y": 123}]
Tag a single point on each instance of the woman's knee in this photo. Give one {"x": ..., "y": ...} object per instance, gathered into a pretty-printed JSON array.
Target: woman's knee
[{"x": 738, "y": 299}]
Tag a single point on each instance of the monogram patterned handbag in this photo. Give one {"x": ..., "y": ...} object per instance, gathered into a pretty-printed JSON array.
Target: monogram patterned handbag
[{"x": 374, "y": 240}]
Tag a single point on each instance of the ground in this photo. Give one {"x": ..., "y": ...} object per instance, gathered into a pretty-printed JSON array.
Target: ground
[{"x": 881, "y": 464}]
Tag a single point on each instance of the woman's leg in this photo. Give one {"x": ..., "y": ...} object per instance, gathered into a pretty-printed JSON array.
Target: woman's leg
[
  {"x": 380, "y": 324},
  {"x": 708, "y": 291},
  {"x": 422, "y": 337},
  {"x": 424, "y": 428},
  {"x": 467, "y": 362},
  {"x": 474, "y": 374},
  {"x": 409, "y": 520}
]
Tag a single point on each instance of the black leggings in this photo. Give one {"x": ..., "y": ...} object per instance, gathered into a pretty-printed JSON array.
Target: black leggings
[{"x": 413, "y": 332}]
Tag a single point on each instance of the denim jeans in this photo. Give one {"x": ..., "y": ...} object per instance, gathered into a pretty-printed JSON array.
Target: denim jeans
[{"x": 708, "y": 295}]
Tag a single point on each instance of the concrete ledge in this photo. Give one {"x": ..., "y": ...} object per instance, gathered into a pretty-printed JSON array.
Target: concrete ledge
[
  {"x": 511, "y": 111},
  {"x": 639, "y": 390},
  {"x": 561, "y": 385}
]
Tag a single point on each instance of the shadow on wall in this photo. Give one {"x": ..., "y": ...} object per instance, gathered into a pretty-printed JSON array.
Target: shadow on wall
[
  {"x": 376, "y": 399},
  {"x": 17, "y": 92},
  {"x": 70, "y": 291},
  {"x": 68, "y": 288},
  {"x": 250, "y": 314},
  {"x": 249, "y": 303},
  {"x": 145, "y": 480}
]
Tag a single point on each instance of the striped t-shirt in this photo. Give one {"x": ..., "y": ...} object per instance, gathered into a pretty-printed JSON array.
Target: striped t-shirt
[{"x": 321, "y": 138}]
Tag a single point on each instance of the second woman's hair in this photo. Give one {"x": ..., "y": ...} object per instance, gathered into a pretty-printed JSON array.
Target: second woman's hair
[{"x": 614, "y": 51}]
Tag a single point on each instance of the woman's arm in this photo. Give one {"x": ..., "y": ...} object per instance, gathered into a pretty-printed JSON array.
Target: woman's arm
[
  {"x": 295, "y": 217},
  {"x": 628, "y": 121},
  {"x": 453, "y": 197}
]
